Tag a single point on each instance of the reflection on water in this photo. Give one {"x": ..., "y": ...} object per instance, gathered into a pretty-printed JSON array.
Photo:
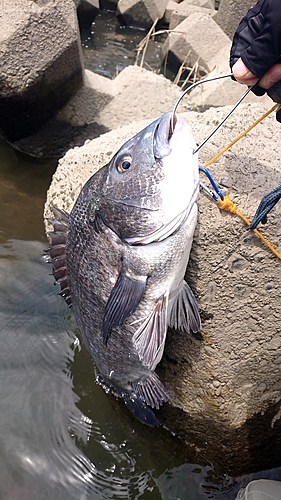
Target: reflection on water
[{"x": 23, "y": 185}]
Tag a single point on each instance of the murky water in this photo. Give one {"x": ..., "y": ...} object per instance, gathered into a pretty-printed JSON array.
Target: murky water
[
  {"x": 108, "y": 47},
  {"x": 61, "y": 436}
]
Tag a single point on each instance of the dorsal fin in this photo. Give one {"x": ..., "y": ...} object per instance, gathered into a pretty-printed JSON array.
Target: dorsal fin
[{"x": 57, "y": 251}]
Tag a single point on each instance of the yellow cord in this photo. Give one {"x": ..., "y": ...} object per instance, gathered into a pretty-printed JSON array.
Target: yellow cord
[
  {"x": 227, "y": 203},
  {"x": 241, "y": 135}
]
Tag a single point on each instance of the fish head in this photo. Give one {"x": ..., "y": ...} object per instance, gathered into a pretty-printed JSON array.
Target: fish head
[{"x": 151, "y": 182}]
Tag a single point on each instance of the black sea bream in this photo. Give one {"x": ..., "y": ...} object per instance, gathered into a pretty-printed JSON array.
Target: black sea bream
[{"x": 121, "y": 255}]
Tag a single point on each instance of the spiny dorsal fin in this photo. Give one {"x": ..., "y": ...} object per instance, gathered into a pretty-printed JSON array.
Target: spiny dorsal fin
[{"x": 57, "y": 251}]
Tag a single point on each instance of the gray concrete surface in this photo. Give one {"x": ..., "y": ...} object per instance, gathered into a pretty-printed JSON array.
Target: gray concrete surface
[{"x": 41, "y": 63}]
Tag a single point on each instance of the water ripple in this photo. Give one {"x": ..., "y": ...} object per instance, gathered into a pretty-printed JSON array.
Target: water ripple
[{"x": 55, "y": 448}]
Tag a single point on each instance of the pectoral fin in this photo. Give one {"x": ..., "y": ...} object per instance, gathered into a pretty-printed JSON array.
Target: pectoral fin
[
  {"x": 184, "y": 313},
  {"x": 149, "y": 339},
  {"x": 124, "y": 299}
]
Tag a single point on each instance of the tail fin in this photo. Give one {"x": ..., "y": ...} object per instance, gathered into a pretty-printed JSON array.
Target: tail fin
[{"x": 141, "y": 411}]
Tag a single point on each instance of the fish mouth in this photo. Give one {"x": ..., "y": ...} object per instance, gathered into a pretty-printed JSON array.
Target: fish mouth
[{"x": 162, "y": 135}]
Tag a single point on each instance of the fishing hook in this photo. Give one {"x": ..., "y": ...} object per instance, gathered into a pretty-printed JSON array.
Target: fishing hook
[{"x": 205, "y": 80}]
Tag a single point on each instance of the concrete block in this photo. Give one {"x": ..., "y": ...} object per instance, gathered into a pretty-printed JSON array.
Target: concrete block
[
  {"x": 208, "y": 4},
  {"x": 84, "y": 108},
  {"x": 100, "y": 105},
  {"x": 228, "y": 383},
  {"x": 171, "y": 7},
  {"x": 139, "y": 94},
  {"x": 230, "y": 13},
  {"x": 183, "y": 10},
  {"x": 73, "y": 124},
  {"x": 141, "y": 13},
  {"x": 41, "y": 63},
  {"x": 186, "y": 42}
]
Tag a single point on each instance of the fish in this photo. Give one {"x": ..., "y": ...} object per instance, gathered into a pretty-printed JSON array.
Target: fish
[{"x": 120, "y": 258}]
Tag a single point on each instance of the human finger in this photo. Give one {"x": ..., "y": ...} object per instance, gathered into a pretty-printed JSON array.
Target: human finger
[
  {"x": 271, "y": 77},
  {"x": 242, "y": 74}
]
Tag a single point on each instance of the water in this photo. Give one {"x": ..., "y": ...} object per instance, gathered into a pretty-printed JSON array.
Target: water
[
  {"x": 108, "y": 47},
  {"x": 61, "y": 436}
]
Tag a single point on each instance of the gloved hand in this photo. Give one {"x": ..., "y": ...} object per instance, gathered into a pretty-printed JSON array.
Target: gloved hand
[{"x": 257, "y": 42}]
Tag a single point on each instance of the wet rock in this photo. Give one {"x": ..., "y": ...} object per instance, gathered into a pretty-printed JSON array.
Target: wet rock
[
  {"x": 141, "y": 13},
  {"x": 228, "y": 383},
  {"x": 230, "y": 13},
  {"x": 41, "y": 63}
]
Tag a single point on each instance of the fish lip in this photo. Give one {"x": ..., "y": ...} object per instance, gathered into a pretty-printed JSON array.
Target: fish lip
[{"x": 162, "y": 135}]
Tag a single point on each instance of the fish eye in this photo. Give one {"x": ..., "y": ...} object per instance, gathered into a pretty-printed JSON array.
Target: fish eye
[{"x": 124, "y": 164}]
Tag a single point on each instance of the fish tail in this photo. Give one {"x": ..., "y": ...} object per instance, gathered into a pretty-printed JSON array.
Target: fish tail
[
  {"x": 145, "y": 395},
  {"x": 140, "y": 409}
]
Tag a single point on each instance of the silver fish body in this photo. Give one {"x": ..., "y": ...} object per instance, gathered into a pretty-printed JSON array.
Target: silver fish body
[{"x": 121, "y": 256}]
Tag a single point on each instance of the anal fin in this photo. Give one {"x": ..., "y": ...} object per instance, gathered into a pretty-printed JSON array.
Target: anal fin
[{"x": 184, "y": 313}]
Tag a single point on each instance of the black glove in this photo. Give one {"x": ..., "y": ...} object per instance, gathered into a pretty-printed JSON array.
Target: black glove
[{"x": 258, "y": 42}]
